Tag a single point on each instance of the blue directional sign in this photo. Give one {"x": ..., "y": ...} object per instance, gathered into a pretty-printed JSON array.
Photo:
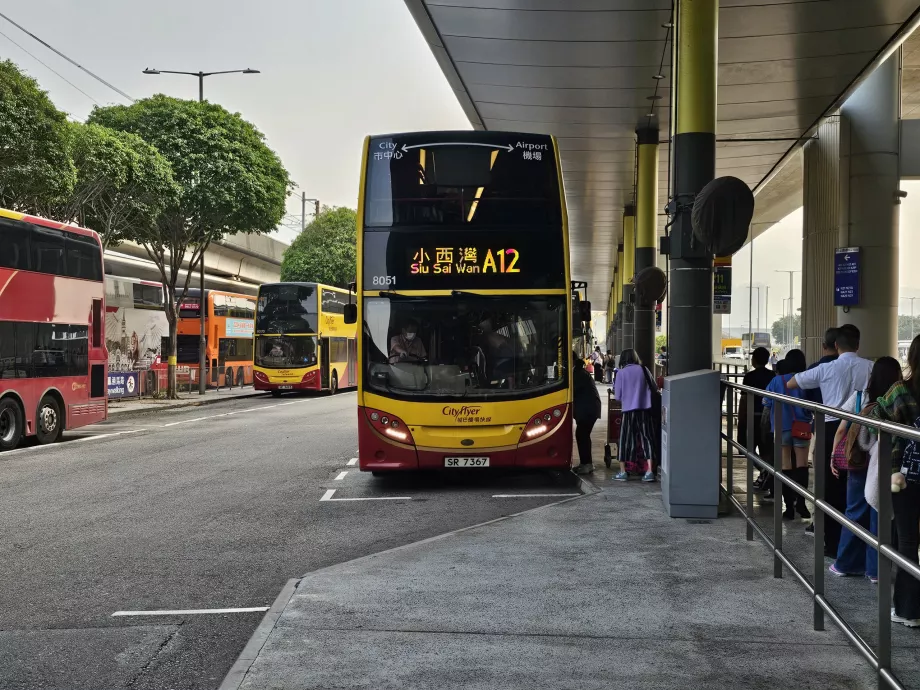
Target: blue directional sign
[{"x": 846, "y": 277}]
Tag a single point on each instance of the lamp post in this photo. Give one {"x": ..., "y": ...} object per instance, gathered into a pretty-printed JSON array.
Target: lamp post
[
  {"x": 203, "y": 339},
  {"x": 791, "y": 333},
  {"x": 303, "y": 210}
]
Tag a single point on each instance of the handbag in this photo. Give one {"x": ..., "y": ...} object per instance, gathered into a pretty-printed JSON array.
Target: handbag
[
  {"x": 839, "y": 456},
  {"x": 801, "y": 430}
]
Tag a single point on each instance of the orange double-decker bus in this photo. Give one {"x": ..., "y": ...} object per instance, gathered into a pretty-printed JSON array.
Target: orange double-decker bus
[{"x": 229, "y": 325}]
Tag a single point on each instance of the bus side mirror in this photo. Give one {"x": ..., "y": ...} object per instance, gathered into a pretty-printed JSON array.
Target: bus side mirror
[
  {"x": 351, "y": 313},
  {"x": 584, "y": 311}
]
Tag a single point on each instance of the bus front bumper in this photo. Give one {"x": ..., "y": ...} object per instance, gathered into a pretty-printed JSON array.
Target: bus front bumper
[
  {"x": 379, "y": 454},
  {"x": 266, "y": 380}
]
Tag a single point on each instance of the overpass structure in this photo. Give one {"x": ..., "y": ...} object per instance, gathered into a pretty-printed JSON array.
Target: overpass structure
[
  {"x": 650, "y": 99},
  {"x": 237, "y": 263}
]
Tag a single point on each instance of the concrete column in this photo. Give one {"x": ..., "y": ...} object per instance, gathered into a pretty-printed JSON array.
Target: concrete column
[
  {"x": 646, "y": 236},
  {"x": 694, "y": 147},
  {"x": 820, "y": 231},
  {"x": 620, "y": 309},
  {"x": 629, "y": 270},
  {"x": 870, "y": 144},
  {"x": 612, "y": 313}
]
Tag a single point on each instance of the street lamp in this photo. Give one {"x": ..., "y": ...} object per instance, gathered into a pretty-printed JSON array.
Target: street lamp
[
  {"x": 791, "y": 335},
  {"x": 202, "y": 340}
]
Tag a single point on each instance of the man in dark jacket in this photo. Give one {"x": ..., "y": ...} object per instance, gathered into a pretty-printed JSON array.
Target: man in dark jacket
[{"x": 586, "y": 412}]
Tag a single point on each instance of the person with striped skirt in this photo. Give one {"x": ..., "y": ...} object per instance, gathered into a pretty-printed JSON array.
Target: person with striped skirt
[{"x": 633, "y": 388}]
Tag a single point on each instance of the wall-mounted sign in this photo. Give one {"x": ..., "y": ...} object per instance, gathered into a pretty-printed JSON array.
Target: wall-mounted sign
[
  {"x": 123, "y": 385},
  {"x": 722, "y": 285},
  {"x": 846, "y": 277}
]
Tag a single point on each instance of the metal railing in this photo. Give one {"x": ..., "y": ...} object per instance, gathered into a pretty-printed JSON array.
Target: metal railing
[{"x": 880, "y": 660}]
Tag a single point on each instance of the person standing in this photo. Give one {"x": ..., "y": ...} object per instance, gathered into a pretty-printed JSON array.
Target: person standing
[
  {"x": 597, "y": 361},
  {"x": 837, "y": 381},
  {"x": 901, "y": 404},
  {"x": 634, "y": 387},
  {"x": 853, "y": 556},
  {"x": 773, "y": 360},
  {"x": 795, "y": 422},
  {"x": 758, "y": 377},
  {"x": 609, "y": 365},
  {"x": 586, "y": 406}
]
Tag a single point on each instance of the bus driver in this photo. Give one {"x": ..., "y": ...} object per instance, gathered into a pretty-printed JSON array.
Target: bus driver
[{"x": 407, "y": 346}]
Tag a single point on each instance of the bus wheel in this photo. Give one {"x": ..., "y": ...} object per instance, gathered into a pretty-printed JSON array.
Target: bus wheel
[
  {"x": 50, "y": 422},
  {"x": 276, "y": 394},
  {"x": 334, "y": 385},
  {"x": 10, "y": 424},
  {"x": 228, "y": 378},
  {"x": 240, "y": 379}
]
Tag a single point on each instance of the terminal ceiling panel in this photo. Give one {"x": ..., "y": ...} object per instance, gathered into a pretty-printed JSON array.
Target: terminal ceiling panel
[{"x": 591, "y": 71}]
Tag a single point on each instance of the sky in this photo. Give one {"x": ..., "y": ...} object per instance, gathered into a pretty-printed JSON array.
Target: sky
[{"x": 332, "y": 71}]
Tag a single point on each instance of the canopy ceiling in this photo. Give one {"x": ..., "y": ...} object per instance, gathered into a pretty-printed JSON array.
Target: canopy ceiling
[{"x": 584, "y": 70}]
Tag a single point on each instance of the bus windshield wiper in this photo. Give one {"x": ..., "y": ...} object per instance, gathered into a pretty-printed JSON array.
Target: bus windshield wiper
[
  {"x": 463, "y": 293},
  {"x": 399, "y": 296}
]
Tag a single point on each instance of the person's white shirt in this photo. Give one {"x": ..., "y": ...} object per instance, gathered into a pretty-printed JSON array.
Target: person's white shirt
[{"x": 838, "y": 379}]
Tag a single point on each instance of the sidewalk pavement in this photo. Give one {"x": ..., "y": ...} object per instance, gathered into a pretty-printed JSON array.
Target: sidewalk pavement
[
  {"x": 601, "y": 591},
  {"x": 213, "y": 395}
]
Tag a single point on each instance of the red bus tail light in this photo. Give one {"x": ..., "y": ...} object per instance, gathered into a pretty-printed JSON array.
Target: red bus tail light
[
  {"x": 390, "y": 426},
  {"x": 543, "y": 423}
]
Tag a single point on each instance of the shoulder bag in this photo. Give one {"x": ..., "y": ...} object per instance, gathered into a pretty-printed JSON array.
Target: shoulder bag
[{"x": 801, "y": 430}]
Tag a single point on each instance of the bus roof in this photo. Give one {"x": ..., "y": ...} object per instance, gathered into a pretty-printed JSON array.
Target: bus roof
[{"x": 48, "y": 223}]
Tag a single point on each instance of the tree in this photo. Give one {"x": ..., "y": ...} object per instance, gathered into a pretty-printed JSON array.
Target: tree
[
  {"x": 35, "y": 169},
  {"x": 229, "y": 182},
  {"x": 123, "y": 183},
  {"x": 325, "y": 252},
  {"x": 905, "y": 330},
  {"x": 660, "y": 342},
  {"x": 780, "y": 329}
]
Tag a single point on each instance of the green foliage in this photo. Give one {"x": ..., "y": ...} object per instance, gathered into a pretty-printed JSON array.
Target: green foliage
[
  {"x": 35, "y": 169},
  {"x": 123, "y": 183},
  {"x": 229, "y": 181},
  {"x": 906, "y": 330},
  {"x": 326, "y": 251},
  {"x": 660, "y": 342},
  {"x": 779, "y": 329}
]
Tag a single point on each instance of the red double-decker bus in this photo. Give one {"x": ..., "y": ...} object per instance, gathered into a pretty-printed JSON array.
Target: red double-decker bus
[{"x": 53, "y": 356}]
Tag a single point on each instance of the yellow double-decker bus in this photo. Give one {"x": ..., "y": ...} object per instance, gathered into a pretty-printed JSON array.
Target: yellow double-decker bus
[
  {"x": 463, "y": 296},
  {"x": 302, "y": 341}
]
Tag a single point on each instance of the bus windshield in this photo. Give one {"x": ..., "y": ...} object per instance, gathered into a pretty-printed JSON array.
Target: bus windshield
[
  {"x": 465, "y": 347},
  {"x": 472, "y": 180},
  {"x": 287, "y": 308},
  {"x": 285, "y": 351}
]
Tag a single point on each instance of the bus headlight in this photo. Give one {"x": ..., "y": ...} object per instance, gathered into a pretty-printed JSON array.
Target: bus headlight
[{"x": 389, "y": 426}]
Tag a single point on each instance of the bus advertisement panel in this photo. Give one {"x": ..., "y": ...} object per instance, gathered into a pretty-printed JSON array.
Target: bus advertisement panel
[
  {"x": 465, "y": 305},
  {"x": 52, "y": 329},
  {"x": 229, "y": 324},
  {"x": 302, "y": 341}
]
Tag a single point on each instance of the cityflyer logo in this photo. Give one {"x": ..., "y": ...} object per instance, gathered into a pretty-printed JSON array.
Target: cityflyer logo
[
  {"x": 466, "y": 413},
  {"x": 77, "y": 386}
]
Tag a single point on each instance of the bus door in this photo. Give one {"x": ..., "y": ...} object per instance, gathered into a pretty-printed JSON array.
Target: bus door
[
  {"x": 352, "y": 361},
  {"x": 324, "y": 362}
]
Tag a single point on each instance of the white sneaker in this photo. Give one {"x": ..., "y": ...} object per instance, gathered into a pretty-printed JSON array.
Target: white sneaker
[{"x": 909, "y": 622}]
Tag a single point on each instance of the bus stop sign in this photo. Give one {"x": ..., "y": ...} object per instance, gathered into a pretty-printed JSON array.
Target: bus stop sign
[{"x": 846, "y": 277}]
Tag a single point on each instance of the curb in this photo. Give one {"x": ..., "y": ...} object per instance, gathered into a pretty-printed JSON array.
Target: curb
[
  {"x": 237, "y": 673},
  {"x": 190, "y": 403}
]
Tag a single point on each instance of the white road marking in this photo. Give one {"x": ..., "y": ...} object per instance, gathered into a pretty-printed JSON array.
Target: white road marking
[
  {"x": 352, "y": 462},
  {"x": 341, "y": 476},
  {"x": 532, "y": 495},
  {"x": 67, "y": 444},
  {"x": 189, "y": 612},
  {"x": 248, "y": 409},
  {"x": 328, "y": 496}
]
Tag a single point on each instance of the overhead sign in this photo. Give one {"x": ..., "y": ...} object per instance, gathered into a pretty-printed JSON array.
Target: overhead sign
[
  {"x": 123, "y": 385},
  {"x": 846, "y": 276},
  {"x": 722, "y": 285}
]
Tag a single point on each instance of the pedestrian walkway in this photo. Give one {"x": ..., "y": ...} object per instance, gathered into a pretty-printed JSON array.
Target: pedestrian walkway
[
  {"x": 601, "y": 591},
  {"x": 213, "y": 395}
]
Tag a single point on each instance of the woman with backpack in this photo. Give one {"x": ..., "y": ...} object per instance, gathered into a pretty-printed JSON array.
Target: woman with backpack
[
  {"x": 796, "y": 432},
  {"x": 634, "y": 387},
  {"x": 851, "y": 446},
  {"x": 901, "y": 404}
]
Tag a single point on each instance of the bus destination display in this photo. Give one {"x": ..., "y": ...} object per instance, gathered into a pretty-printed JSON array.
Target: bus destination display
[{"x": 456, "y": 260}]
